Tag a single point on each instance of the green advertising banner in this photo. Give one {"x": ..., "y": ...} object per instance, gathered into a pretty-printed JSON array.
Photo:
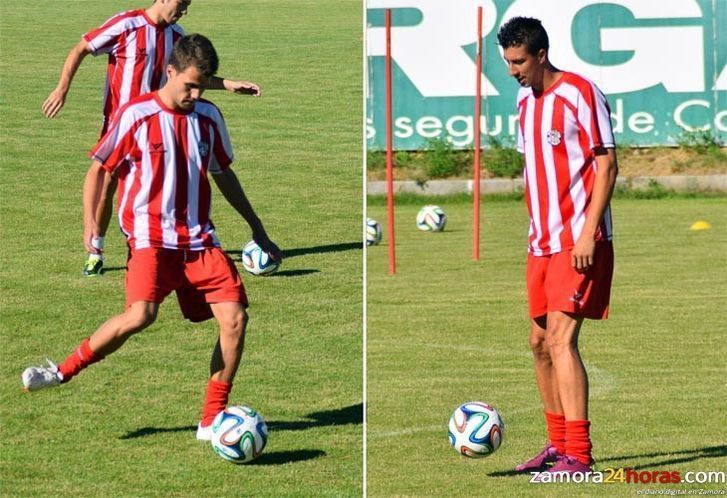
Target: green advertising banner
[{"x": 661, "y": 63}]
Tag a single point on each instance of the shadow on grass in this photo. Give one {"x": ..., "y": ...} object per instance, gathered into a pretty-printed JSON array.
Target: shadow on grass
[
  {"x": 302, "y": 251},
  {"x": 349, "y": 415},
  {"x": 343, "y": 416},
  {"x": 673, "y": 457},
  {"x": 292, "y": 273},
  {"x": 113, "y": 268},
  {"x": 507, "y": 473},
  {"x": 283, "y": 457},
  {"x": 150, "y": 431},
  {"x": 670, "y": 457},
  {"x": 267, "y": 458}
]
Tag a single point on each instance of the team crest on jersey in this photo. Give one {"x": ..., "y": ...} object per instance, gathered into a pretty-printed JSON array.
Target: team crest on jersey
[
  {"x": 204, "y": 148},
  {"x": 554, "y": 137}
]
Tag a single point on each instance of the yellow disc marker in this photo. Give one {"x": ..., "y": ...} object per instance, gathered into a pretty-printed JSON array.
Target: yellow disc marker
[{"x": 700, "y": 225}]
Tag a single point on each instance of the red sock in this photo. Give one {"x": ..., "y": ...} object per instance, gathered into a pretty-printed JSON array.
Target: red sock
[
  {"x": 78, "y": 360},
  {"x": 556, "y": 430},
  {"x": 215, "y": 401},
  {"x": 578, "y": 440}
]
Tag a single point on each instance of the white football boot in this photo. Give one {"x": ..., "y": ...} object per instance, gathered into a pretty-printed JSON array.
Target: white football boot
[
  {"x": 204, "y": 433},
  {"x": 35, "y": 378}
]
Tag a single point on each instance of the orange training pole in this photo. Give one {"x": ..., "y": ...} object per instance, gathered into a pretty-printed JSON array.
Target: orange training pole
[
  {"x": 478, "y": 143},
  {"x": 390, "y": 150}
]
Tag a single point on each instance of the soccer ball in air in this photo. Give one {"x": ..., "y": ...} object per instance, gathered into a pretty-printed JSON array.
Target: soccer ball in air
[
  {"x": 257, "y": 261},
  {"x": 239, "y": 434},
  {"x": 373, "y": 232},
  {"x": 431, "y": 219},
  {"x": 475, "y": 429}
]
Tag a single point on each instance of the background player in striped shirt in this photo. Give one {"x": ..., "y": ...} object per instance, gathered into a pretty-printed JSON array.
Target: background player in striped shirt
[
  {"x": 161, "y": 146},
  {"x": 566, "y": 138},
  {"x": 138, "y": 44}
]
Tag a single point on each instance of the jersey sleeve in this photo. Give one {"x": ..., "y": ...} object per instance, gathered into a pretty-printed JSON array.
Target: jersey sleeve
[
  {"x": 222, "y": 155},
  {"x": 594, "y": 117},
  {"x": 105, "y": 38},
  {"x": 118, "y": 143}
]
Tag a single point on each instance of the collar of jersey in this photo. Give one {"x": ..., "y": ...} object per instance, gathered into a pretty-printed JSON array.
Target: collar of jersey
[
  {"x": 165, "y": 108},
  {"x": 161, "y": 25},
  {"x": 553, "y": 87}
]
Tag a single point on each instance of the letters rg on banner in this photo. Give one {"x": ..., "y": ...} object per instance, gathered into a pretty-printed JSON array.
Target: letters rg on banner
[{"x": 432, "y": 56}]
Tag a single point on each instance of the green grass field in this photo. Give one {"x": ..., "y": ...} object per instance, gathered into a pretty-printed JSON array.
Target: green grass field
[
  {"x": 446, "y": 330},
  {"x": 125, "y": 427}
]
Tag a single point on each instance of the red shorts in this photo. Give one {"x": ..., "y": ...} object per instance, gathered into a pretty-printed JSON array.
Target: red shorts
[
  {"x": 200, "y": 278},
  {"x": 554, "y": 285}
]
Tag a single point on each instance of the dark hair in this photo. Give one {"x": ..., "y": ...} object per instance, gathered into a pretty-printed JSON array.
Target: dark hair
[
  {"x": 194, "y": 50},
  {"x": 523, "y": 31}
]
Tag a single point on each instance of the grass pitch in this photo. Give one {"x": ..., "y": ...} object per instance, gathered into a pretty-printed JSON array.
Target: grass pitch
[
  {"x": 446, "y": 330},
  {"x": 125, "y": 427}
]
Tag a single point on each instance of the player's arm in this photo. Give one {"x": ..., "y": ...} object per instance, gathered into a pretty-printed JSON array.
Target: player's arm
[
  {"x": 231, "y": 189},
  {"x": 240, "y": 87},
  {"x": 606, "y": 172},
  {"x": 57, "y": 97},
  {"x": 93, "y": 195}
]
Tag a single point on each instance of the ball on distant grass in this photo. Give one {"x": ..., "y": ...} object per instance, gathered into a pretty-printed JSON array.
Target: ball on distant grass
[
  {"x": 373, "y": 232},
  {"x": 431, "y": 218}
]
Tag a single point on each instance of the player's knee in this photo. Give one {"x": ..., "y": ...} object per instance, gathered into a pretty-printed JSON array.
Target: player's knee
[
  {"x": 140, "y": 318},
  {"x": 538, "y": 345},
  {"x": 559, "y": 343},
  {"x": 233, "y": 322}
]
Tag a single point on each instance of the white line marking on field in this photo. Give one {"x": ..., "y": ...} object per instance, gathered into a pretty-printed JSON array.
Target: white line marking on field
[
  {"x": 407, "y": 432},
  {"x": 438, "y": 427},
  {"x": 458, "y": 347},
  {"x": 604, "y": 381}
]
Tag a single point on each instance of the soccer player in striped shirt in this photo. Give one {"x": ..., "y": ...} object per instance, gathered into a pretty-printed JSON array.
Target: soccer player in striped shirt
[
  {"x": 161, "y": 146},
  {"x": 566, "y": 138},
  {"x": 138, "y": 44}
]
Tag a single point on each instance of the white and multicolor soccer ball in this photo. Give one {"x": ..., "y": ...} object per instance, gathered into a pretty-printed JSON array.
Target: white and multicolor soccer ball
[
  {"x": 431, "y": 218},
  {"x": 373, "y": 232},
  {"x": 476, "y": 429},
  {"x": 257, "y": 261},
  {"x": 239, "y": 434}
]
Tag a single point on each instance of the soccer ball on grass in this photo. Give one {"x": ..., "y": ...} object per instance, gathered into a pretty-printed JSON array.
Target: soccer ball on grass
[
  {"x": 475, "y": 429},
  {"x": 239, "y": 434},
  {"x": 373, "y": 232},
  {"x": 431, "y": 219}
]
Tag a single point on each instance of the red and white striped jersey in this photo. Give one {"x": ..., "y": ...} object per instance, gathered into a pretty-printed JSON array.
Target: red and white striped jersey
[
  {"x": 558, "y": 133},
  {"x": 138, "y": 52},
  {"x": 162, "y": 157}
]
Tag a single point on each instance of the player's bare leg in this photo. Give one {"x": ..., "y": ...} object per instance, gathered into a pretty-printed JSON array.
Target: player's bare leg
[
  {"x": 105, "y": 210},
  {"x": 562, "y": 342},
  {"x": 548, "y": 387},
  {"x": 108, "y": 338},
  {"x": 116, "y": 330},
  {"x": 544, "y": 371},
  {"x": 232, "y": 318},
  {"x": 226, "y": 356},
  {"x": 94, "y": 262}
]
